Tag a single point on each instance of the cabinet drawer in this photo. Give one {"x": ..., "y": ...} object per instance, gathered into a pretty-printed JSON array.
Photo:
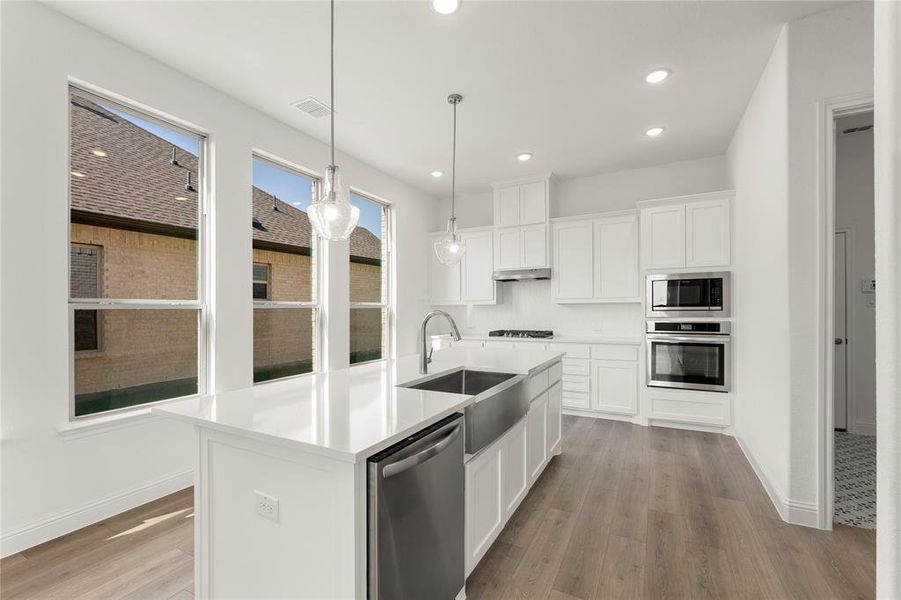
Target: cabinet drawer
[
  {"x": 572, "y": 350},
  {"x": 613, "y": 352},
  {"x": 576, "y": 366},
  {"x": 576, "y": 400},
  {"x": 554, "y": 373},
  {"x": 538, "y": 383},
  {"x": 576, "y": 383}
]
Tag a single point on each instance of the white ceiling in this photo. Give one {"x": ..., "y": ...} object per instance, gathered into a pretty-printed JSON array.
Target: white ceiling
[{"x": 563, "y": 80}]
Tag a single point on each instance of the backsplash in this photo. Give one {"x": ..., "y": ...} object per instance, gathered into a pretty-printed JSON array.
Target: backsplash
[{"x": 528, "y": 305}]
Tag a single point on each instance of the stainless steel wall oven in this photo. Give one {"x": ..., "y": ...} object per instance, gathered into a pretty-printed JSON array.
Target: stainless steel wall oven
[{"x": 690, "y": 355}]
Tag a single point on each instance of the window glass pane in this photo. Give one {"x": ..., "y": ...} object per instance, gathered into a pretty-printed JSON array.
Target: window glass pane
[
  {"x": 367, "y": 275},
  {"x": 260, "y": 291},
  {"x": 84, "y": 274},
  {"x": 283, "y": 342},
  {"x": 87, "y": 337},
  {"x": 260, "y": 272},
  {"x": 282, "y": 236},
  {"x": 367, "y": 327},
  {"x": 144, "y": 356},
  {"x": 134, "y": 195}
]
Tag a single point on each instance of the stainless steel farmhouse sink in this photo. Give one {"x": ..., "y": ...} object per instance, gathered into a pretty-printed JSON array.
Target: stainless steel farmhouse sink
[{"x": 501, "y": 400}]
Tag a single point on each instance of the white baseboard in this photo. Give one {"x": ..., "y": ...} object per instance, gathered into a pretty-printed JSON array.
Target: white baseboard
[
  {"x": 578, "y": 412},
  {"x": 791, "y": 511},
  {"x": 53, "y": 527}
]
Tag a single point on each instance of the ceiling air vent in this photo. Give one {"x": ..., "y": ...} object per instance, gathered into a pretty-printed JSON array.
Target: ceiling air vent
[{"x": 313, "y": 107}]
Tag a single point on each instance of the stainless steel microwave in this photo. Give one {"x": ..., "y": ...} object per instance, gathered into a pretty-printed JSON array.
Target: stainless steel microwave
[{"x": 689, "y": 295}]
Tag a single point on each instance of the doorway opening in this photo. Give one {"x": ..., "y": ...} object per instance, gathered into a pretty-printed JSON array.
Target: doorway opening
[{"x": 854, "y": 326}]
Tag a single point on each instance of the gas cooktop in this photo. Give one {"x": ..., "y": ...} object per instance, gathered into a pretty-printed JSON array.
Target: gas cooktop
[{"x": 521, "y": 333}]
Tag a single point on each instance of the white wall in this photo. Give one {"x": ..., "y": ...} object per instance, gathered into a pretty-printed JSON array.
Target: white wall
[
  {"x": 758, "y": 166},
  {"x": 54, "y": 483},
  {"x": 527, "y": 305},
  {"x": 887, "y": 136},
  {"x": 830, "y": 56},
  {"x": 854, "y": 211}
]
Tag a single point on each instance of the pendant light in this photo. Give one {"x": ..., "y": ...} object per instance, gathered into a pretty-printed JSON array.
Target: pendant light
[
  {"x": 332, "y": 215},
  {"x": 451, "y": 248}
]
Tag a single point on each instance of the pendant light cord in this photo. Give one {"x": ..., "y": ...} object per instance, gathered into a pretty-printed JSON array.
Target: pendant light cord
[
  {"x": 332, "y": 77},
  {"x": 454, "y": 168}
]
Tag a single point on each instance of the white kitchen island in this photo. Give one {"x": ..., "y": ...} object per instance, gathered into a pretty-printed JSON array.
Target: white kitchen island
[{"x": 280, "y": 490}]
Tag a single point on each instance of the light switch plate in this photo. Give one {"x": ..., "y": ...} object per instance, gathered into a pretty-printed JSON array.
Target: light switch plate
[
  {"x": 868, "y": 286},
  {"x": 267, "y": 506}
]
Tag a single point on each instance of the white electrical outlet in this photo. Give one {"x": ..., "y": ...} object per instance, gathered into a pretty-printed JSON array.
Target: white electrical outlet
[
  {"x": 868, "y": 286},
  {"x": 267, "y": 506}
]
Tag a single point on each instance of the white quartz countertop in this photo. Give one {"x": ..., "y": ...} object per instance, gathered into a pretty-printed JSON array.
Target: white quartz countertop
[
  {"x": 349, "y": 414},
  {"x": 564, "y": 339}
]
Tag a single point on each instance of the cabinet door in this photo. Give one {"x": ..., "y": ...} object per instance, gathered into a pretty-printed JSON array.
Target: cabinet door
[
  {"x": 506, "y": 206},
  {"x": 572, "y": 260},
  {"x": 616, "y": 258},
  {"x": 536, "y": 436},
  {"x": 534, "y": 246},
  {"x": 445, "y": 280},
  {"x": 514, "y": 468},
  {"x": 533, "y": 203},
  {"x": 477, "y": 267},
  {"x": 484, "y": 508},
  {"x": 707, "y": 233},
  {"x": 554, "y": 417},
  {"x": 508, "y": 248},
  {"x": 614, "y": 386},
  {"x": 663, "y": 236}
]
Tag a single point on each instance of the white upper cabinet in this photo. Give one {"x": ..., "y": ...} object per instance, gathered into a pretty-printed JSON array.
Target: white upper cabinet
[
  {"x": 478, "y": 287},
  {"x": 469, "y": 281},
  {"x": 533, "y": 205},
  {"x": 663, "y": 235},
  {"x": 707, "y": 239},
  {"x": 534, "y": 246},
  {"x": 573, "y": 255},
  {"x": 616, "y": 258},
  {"x": 596, "y": 259},
  {"x": 506, "y": 206},
  {"x": 521, "y": 212},
  {"x": 687, "y": 232}
]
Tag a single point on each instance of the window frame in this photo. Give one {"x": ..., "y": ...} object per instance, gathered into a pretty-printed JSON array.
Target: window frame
[
  {"x": 98, "y": 322},
  {"x": 317, "y": 265},
  {"x": 200, "y": 305},
  {"x": 387, "y": 280},
  {"x": 267, "y": 281}
]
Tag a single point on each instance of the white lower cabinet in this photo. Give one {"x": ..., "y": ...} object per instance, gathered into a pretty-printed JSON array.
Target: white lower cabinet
[
  {"x": 536, "y": 436},
  {"x": 614, "y": 386},
  {"x": 500, "y": 476},
  {"x": 484, "y": 505},
  {"x": 514, "y": 471}
]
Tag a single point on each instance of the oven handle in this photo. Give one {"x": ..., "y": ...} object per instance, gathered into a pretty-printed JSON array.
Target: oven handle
[{"x": 658, "y": 337}]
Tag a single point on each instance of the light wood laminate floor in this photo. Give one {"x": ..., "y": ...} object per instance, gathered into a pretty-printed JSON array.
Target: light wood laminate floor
[{"x": 624, "y": 512}]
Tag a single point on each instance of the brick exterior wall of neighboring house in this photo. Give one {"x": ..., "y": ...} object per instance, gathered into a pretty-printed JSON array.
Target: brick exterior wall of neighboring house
[{"x": 131, "y": 204}]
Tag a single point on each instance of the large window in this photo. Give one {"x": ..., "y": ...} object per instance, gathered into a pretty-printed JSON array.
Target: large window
[
  {"x": 134, "y": 279},
  {"x": 369, "y": 281},
  {"x": 285, "y": 273}
]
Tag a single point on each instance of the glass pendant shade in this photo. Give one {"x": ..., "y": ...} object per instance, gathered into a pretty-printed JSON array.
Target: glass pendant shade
[
  {"x": 450, "y": 248},
  {"x": 333, "y": 216}
]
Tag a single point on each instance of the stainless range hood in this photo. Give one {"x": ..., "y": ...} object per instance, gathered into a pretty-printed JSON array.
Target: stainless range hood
[{"x": 522, "y": 274}]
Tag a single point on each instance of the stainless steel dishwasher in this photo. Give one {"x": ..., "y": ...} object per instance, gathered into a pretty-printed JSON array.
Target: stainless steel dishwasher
[{"x": 415, "y": 516}]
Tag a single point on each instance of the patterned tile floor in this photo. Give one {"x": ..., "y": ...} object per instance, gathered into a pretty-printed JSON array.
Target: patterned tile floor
[{"x": 855, "y": 480}]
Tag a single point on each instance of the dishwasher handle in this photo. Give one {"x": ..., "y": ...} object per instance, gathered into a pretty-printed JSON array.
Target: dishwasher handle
[{"x": 402, "y": 465}]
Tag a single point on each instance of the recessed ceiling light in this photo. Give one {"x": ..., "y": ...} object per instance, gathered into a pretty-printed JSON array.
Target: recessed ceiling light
[
  {"x": 523, "y": 157},
  {"x": 77, "y": 174},
  {"x": 181, "y": 197},
  {"x": 445, "y": 7},
  {"x": 98, "y": 152},
  {"x": 437, "y": 174},
  {"x": 654, "y": 131},
  {"x": 657, "y": 75}
]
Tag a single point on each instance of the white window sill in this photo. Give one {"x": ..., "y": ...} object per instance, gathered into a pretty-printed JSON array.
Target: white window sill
[{"x": 100, "y": 424}]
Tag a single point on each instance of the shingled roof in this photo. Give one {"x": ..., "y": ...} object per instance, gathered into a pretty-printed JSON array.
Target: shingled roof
[{"x": 135, "y": 186}]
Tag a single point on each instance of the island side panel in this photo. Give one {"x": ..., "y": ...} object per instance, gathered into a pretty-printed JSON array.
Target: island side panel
[{"x": 311, "y": 551}]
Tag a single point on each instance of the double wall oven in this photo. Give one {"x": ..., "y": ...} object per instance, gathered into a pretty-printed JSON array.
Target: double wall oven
[{"x": 683, "y": 354}]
